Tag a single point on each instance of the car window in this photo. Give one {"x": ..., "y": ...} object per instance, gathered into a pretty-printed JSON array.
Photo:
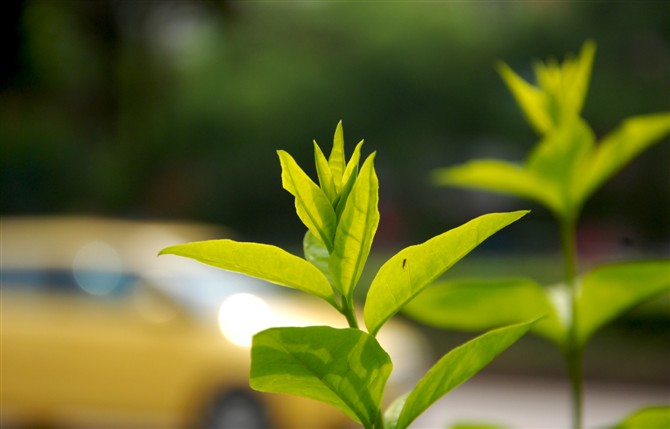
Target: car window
[{"x": 81, "y": 282}]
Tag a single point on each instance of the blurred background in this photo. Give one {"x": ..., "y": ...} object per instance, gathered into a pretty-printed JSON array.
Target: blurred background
[{"x": 172, "y": 110}]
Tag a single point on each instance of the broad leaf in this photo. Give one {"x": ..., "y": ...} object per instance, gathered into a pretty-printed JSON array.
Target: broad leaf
[
  {"x": 456, "y": 367},
  {"x": 355, "y": 230},
  {"x": 346, "y": 368},
  {"x": 336, "y": 159},
  {"x": 312, "y": 205},
  {"x": 407, "y": 273},
  {"x": 617, "y": 149},
  {"x": 609, "y": 291},
  {"x": 482, "y": 304},
  {"x": 325, "y": 176},
  {"x": 502, "y": 177},
  {"x": 657, "y": 417},
  {"x": 262, "y": 261}
]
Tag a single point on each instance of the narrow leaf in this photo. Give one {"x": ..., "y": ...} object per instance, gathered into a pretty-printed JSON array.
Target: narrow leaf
[
  {"x": 618, "y": 148},
  {"x": 577, "y": 76},
  {"x": 262, "y": 261},
  {"x": 609, "y": 291},
  {"x": 348, "y": 180},
  {"x": 407, "y": 273},
  {"x": 456, "y": 367},
  {"x": 356, "y": 230},
  {"x": 336, "y": 159},
  {"x": 312, "y": 205},
  {"x": 325, "y": 176},
  {"x": 502, "y": 177},
  {"x": 346, "y": 368},
  {"x": 532, "y": 101}
]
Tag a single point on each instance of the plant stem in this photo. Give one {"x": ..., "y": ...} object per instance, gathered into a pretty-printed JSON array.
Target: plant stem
[
  {"x": 349, "y": 313},
  {"x": 573, "y": 350}
]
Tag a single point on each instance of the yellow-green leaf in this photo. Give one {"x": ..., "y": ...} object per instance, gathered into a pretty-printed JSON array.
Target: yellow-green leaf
[
  {"x": 407, "y": 273},
  {"x": 610, "y": 290},
  {"x": 336, "y": 159},
  {"x": 324, "y": 174},
  {"x": 456, "y": 367},
  {"x": 502, "y": 177},
  {"x": 617, "y": 149},
  {"x": 262, "y": 261},
  {"x": 356, "y": 230},
  {"x": 346, "y": 368},
  {"x": 311, "y": 204}
]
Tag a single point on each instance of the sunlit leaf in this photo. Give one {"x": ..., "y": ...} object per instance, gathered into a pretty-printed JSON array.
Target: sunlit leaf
[
  {"x": 482, "y": 304},
  {"x": 346, "y": 368},
  {"x": 325, "y": 176},
  {"x": 502, "y": 177},
  {"x": 348, "y": 180},
  {"x": 618, "y": 148},
  {"x": 336, "y": 159},
  {"x": 407, "y": 273},
  {"x": 356, "y": 230},
  {"x": 654, "y": 417},
  {"x": 262, "y": 261},
  {"x": 312, "y": 205},
  {"x": 456, "y": 367},
  {"x": 609, "y": 291}
]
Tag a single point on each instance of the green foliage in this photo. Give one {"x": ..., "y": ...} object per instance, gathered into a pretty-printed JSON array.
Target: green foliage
[
  {"x": 566, "y": 166},
  {"x": 453, "y": 369},
  {"x": 646, "y": 418},
  {"x": 603, "y": 294},
  {"x": 561, "y": 172},
  {"x": 343, "y": 367},
  {"x": 348, "y": 368},
  {"x": 408, "y": 272}
]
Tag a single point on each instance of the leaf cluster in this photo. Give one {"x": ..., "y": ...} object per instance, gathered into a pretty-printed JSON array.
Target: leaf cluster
[
  {"x": 348, "y": 368},
  {"x": 561, "y": 172}
]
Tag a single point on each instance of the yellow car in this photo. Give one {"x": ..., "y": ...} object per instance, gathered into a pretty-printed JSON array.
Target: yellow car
[{"x": 98, "y": 332}]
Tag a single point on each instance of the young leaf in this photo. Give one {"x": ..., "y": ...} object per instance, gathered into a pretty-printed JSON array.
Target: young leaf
[
  {"x": 532, "y": 101},
  {"x": 336, "y": 159},
  {"x": 609, "y": 291},
  {"x": 312, "y": 205},
  {"x": 346, "y": 368},
  {"x": 657, "y": 417},
  {"x": 502, "y": 177},
  {"x": 618, "y": 148},
  {"x": 317, "y": 254},
  {"x": 407, "y": 273},
  {"x": 355, "y": 230},
  {"x": 262, "y": 261},
  {"x": 456, "y": 367},
  {"x": 348, "y": 180},
  {"x": 324, "y": 173}
]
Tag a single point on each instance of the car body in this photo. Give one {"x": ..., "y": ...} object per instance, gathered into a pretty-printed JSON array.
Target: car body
[{"x": 97, "y": 331}]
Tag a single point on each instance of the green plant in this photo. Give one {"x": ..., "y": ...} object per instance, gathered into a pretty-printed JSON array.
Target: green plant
[
  {"x": 347, "y": 367},
  {"x": 561, "y": 172}
]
